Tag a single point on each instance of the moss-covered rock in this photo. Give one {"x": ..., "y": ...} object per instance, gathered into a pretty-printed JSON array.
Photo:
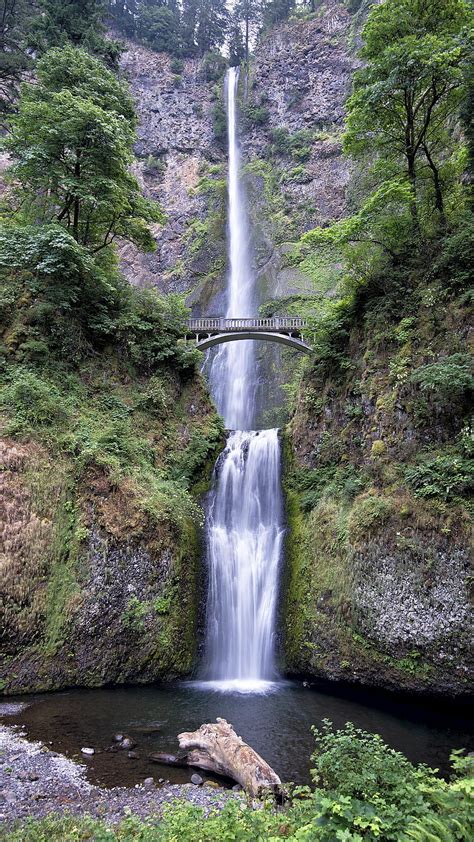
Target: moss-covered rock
[
  {"x": 377, "y": 460},
  {"x": 100, "y": 578}
]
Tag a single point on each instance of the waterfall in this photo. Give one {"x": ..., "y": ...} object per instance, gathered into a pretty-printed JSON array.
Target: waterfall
[
  {"x": 244, "y": 525},
  {"x": 244, "y": 530},
  {"x": 232, "y": 375}
]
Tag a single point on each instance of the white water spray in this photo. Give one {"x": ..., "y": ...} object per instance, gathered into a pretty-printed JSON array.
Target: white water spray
[{"x": 245, "y": 512}]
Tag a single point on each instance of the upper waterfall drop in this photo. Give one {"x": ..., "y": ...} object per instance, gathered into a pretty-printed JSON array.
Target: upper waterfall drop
[{"x": 232, "y": 374}]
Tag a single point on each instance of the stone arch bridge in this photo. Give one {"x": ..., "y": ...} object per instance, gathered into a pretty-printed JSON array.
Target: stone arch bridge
[{"x": 287, "y": 330}]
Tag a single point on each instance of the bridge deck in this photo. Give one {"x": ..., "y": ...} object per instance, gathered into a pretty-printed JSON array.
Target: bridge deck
[{"x": 277, "y": 324}]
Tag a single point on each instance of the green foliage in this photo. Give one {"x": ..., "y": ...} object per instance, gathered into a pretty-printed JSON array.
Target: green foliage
[
  {"x": 297, "y": 145},
  {"x": 32, "y": 401},
  {"x": 79, "y": 22},
  {"x": 411, "y": 84},
  {"x": 276, "y": 11},
  {"x": 150, "y": 328},
  {"x": 50, "y": 281},
  {"x": 158, "y": 26},
  {"x": 202, "y": 444},
  {"x": 72, "y": 140},
  {"x": 14, "y": 57},
  {"x": 383, "y": 222},
  {"x": 219, "y": 123},
  {"x": 255, "y": 115},
  {"x": 213, "y": 66},
  {"x": 368, "y": 514},
  {"x": 450, "y": 378},
  {"x": 447, "y": 475},
  {"x": 342, "y": 481},
  {"x": 133, "y": 618},
  {"x": 365, "y": 792},
  {"x": 297, "y": 175}
]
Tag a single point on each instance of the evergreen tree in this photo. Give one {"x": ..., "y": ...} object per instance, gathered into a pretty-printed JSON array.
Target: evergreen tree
[
  {"x": 276, "y": 11},
  {"x": 124, "y": 14},
  {"x": 248, "y": 15},
  {"x": 79, "y": 22},
  {"x": 14, "y": 58},
  {"x": 158, "y": 25},
  {"x": 237, "y": 52},
  {"x": 204, "y": 25}
]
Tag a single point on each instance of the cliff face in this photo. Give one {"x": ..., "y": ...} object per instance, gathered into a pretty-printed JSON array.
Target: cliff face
[
  {"x": 176, "y": 146},
  {"x": 100, "y": 567},
  {"x": 379, "y": 568},
  {"x": 291, "y": 113}
]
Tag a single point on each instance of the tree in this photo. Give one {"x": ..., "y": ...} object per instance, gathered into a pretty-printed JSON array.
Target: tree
[
  {"x": 275, "y": 11},
  {"x": 72, "y": 139},
  {"x": 158, "y": 25},
  {"x": 410, "y": 87},
  {"x": 237, "y": 52},
  {"x": 247, "y": 14},
  {"x": 204, "y": 25},
  {"x": 80, "y": 22},
  {"x": 124, "y": 14},
  {"x": 14, "y": 58}
]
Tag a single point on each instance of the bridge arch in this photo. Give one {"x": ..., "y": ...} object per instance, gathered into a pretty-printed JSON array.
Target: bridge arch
[
  {"x": 286, "y": 330},
  {"x": 266, "y": 336}
]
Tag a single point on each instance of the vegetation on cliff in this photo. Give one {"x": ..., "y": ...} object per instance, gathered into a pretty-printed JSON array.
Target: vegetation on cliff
[
  {"x": 107, "y": 426},
  {"x": 382, "y": 471}
]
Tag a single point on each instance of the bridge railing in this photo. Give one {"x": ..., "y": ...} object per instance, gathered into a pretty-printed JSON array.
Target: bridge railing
[{"x": 277, "y": 323}]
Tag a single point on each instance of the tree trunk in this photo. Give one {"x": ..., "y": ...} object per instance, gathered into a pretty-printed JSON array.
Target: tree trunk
[
  {"x": 217, "y": 748},
  {"x": 439, "y": 203},
  {"x": 76, "y": 204},
  {"x": 413, "y": 206}
]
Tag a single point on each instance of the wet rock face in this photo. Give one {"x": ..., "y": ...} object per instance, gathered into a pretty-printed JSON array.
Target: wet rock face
[
  {"x": 401, "y": 602},
  {"x": 301, "y": 76},
  {"x": 175, "y": 142}
]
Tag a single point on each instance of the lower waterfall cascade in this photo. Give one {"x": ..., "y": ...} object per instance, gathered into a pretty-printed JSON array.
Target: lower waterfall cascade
[{"x": 244, "y": 540}]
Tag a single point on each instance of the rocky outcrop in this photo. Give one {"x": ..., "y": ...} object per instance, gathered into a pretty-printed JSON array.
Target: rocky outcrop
[
  {"x": 300, "y": 77},
  {"x": 379, "y": 564},
  {"x": 99, "y": 578},
  {"x": 175, "y": 147},
  {"x": 298, "y": 81}
]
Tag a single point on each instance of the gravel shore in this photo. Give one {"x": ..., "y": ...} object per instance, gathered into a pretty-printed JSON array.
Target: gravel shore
[{"x": 35, "y": 781}]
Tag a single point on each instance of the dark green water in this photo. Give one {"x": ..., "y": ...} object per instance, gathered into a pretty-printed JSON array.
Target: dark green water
[{"x": 276, "y": 724}]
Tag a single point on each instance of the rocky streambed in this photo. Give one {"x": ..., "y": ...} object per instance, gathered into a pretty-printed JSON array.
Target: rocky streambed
[{"x": 36, "y": 781}]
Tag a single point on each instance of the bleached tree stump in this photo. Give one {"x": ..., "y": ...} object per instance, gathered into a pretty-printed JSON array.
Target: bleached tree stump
[{"x": 217, "y": 748}]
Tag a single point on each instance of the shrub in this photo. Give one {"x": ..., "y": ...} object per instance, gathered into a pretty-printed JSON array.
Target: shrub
[
  {"x": 150, "y": 327},
  {"x": 255, "y": 115},
  {"x": 446, "y": 475},
  {"x": 325, "y": 481},
  {"x": 219, "y": 123},
  {"x": 450, "y": 377},
  {"x": 368, "y": 514},
  {"x": 366, "y": 792},
  {"x": 32, "y": 401},
  {"x": 213, "y": 66}
]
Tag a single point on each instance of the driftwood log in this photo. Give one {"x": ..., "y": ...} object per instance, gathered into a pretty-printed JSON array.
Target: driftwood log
[{"x": 217, "y": 748}]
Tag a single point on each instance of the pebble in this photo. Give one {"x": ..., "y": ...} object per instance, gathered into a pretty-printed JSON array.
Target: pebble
[
  {"x": 64, "y": 787},
  {"x": 87, "y": 750},
  {"x": 149, "y": 783},
  {"x": 196, "y": 780}
]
